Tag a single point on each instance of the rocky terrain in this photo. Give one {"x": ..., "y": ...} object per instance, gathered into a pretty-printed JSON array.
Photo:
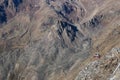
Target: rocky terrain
[{"x": 59, "y": 39}]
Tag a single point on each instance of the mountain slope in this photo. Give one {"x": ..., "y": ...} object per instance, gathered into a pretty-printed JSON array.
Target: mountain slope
[{"x": 57, "y": 39}]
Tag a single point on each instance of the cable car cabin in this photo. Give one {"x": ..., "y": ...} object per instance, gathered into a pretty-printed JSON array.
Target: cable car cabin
[{"x": 97, "y": 56}]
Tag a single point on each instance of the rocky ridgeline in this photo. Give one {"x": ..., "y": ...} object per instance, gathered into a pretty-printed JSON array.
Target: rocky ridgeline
[{"x": 95, "y": 70}]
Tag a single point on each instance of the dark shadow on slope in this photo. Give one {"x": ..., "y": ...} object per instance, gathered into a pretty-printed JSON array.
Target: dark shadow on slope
[
  {"x": 3, "y": 17},
  {"x": 70, "y": 29},
  {"x": 17, "y": 3}
]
